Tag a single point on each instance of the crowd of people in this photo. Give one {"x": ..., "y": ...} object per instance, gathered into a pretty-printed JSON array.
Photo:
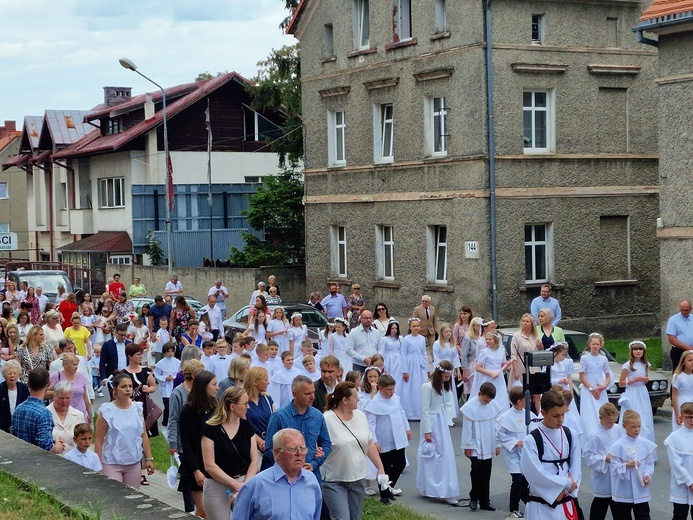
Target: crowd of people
[{"x": 253, "y": 415}]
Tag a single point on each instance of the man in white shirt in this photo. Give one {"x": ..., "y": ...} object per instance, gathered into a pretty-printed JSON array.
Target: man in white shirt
[
  {"x": 23, "y": 286},
  {"x": 215, "y": 316},
  {"x": 220, "y": 294},
  {"x": 42, "y": 298},
  {"x": 362, "y": 342},
  {"x": 174, "y": 287}
]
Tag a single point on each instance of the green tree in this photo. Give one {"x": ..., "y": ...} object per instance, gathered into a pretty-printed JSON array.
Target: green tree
[
  {"x": 153, "y": 249},
  {"x": 291, "y": 6}
]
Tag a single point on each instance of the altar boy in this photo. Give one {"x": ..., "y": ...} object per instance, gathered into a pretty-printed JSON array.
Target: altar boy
[{"x": 680, "y": 450}]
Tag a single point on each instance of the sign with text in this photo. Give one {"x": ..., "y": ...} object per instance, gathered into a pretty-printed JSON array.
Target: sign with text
[
  {"x": 471, "y": 249},
  {"x": 8, "y": 241}
]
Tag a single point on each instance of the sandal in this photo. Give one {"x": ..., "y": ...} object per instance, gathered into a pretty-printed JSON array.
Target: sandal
[{"x": 144, "y": 481}]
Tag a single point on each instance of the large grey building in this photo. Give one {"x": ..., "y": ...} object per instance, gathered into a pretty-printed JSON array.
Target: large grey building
[{"x": 403, "y": 195}]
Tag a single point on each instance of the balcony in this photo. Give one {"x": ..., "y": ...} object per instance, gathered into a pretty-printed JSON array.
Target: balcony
[{"x": 81, "y": 221}]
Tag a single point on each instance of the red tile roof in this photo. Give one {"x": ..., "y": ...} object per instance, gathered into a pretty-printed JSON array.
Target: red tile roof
[
  {"x": 7, "y": 140},
  {"x": 662, "y": 8},
  {"x": 111, "y": 241},
  {"x": 291, "y": 28}
]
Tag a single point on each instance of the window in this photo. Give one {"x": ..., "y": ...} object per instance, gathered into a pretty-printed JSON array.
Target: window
[
  {"x": 441, "y": 22},
  {"x": 336, "y": 137},
  {"x": 329, "y": 40},
  {"x": 612, "y": 34},
  {"x": 537, "y": 28},
  {"x": 385, "y": 252},
  {"x": 614, "y": 234},
  {"x": 401, "y": 20},
  {"x": 339, "y": 251},
  {"x": 384, "y": 133},
  {"x": 114, "y": 126},
  {"x": 4, "y": 227},
  {"x": 257, "y": 127},
  {"x": 538, "y": 252},
  {"x": 62, "y": 196},
  {"x": 436, "y": 126},
  {"x": 361, "y": 25},
  {"x": 537, "y": 121},
  {"x": 112, "y": 193},
  {"x": 253, "y": 179},
  {"x": 437, "y": 254},
  {"x": 120, "y": 259},
  {"x": 3, "y": 191}
]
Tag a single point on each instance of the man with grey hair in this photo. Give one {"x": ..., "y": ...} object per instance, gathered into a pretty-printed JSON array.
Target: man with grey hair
[
  {"x": 426, "y": 314},
  {"x": 680, "y": 332},
  {"x": 221, "y": 294},
  {"x": 270, "y": 494},
  {"x": 173, "y": 287},
  {"x": 42, "y": 299}
]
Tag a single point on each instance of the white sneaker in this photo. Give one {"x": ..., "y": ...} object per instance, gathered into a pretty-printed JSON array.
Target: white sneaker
[
  {"x": 100, "y": 393},
  {"x": 397, "y": 492},
  {"x": 370, "y": 491},
  {"x": 516, "y": 514},
  {"x": 451, "y": 501}
]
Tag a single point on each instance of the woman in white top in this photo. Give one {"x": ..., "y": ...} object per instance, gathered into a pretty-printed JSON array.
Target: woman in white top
[
  {"x": 65, "y": 417},
  {"x": 392, "y": 350},
  {"x": 278, "y": 329},
  {"x": 297, "y": 333},
  {"x": 337, "y": 344},
  {"x": 345, "y": 469},
  {"x": 121, "y": 436},
  {"x": 381, "y": 318},
  {"x": 52, "y": 330}
]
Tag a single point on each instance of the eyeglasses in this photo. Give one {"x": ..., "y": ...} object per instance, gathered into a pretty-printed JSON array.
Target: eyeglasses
[
  {"x": 293, "y": 450},
  {"x": 380, "y": 308},
  {"x": 688, "y": 417}
]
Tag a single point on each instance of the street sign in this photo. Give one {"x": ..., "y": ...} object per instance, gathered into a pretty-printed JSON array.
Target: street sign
[{"x": 8, "y": 241}]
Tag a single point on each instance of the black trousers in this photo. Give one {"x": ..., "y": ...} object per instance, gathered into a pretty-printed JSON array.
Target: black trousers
[
  {"x": 599, "y": 508},
  {"x": 164, "y": 420},
  {"x": 394, "y": 462},
  {"x": 621, "y": 511},
  {"x": 480, "y": 476},
  {"x": 681, "y": 511},
  {"x": 518, "y": 483}
]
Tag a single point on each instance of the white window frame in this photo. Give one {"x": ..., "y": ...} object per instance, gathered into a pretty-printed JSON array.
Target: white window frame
[
  {"x": 437, "y": 254},
  {"x": 339, "y": 251},
  {"x": 361, "y": 24},
  {"x": 120, "y": 259},
  {"x": 383, "y": 126},
  {"x": 538, "y": 21},
  {"x": 550, "y": 117},
  {"x": 4, "y": 191},
  {"x": 441, "y": 22},
  {"x": 401, "y": 20},
  {"x": 336, "y": 137},
  {"x": 108, "y": 196},
  {"x": 385, "y": 252},
  {"x": 431, "y": 114},
  {"x": 533, "y": 243}
]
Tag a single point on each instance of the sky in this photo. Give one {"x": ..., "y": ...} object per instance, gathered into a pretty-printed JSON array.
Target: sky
[{"x": 58, "y": 55}]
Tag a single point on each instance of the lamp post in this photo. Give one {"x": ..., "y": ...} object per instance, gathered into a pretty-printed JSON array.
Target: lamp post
[{"x": 129, "y": 64}]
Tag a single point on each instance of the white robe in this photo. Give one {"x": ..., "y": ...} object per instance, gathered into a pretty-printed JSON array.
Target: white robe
[
  {"x": 387, "y": 422},
  {"x": 392, "y": 351},
  {"x": 595, "y": 369},
  {"x": 416, "y": 364},
  {"x": 277, "y": 325},
  {"x": 684, "y": 385},
  {"x": 545, "y": 479},
  {"x": 479, "y": 427},
  {"x": 511, "y": 430},
  {"x": 625, "y": 482},
  {"x": 639, "y": 400},
  {"x": 283, "y": 379},
  {"x": 597, "y": 446},
  {"x": 680, "y": 450},
  {"x": 336, "y": 346},
  {"x": 164, "y": 368}
]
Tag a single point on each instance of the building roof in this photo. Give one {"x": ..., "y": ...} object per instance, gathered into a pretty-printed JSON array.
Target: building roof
[
  {"x": 184, "y": 96},
  {"x": 32, "y": 129},
  {"x": 667, "y": 12},
  {"x": 291, "y": 28},
  {"x": 65, "y": 126},
  {"x": 9, "y": 139},
  {"x": 110, "y": 241}
]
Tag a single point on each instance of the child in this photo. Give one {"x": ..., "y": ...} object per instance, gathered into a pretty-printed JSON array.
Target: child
[
  {"x": 283, "y": 379},
  {"x": 354, "y": 376},
  {"x": 436, "y": 474},
  {"x": 325, "y": 334},
  {"x": 88, "y": 318},
  {"x": 416, "y": 366},
  {"x": 95, "y": 374},
  {"x": 378, "y": 361},
  {"x": 369, "y": 386},
  {"x": 274, "y": 359},
  {"x": 249, "y": 347},
  {"x": 390, "y": 431},
  {"x": 595, "y": 377},
  {"x": 444, "y": 348},
  {"x": 596, "y": 455},
  {"x": 237, "y": 345},
  {"x": 162, "y": 337},
  {"x": 278, "y": 329},
  {"x": 308, "y": 363},
  {"x": 205, "y": 328},
  {"x": 679, "y": 450},
  {"x": 140, "y": 336},
  {"x": 634, "y": 377},
  {"x": 337, "y": 344},
  {"x": 256, "y": 327},
  {"x": 479, "y": 427},
  {"x": 571, "y": 419},
  {"x": 550, "y": 462},
  {"x": 681, "y": 388},
  {"x": 221, "y": 360},
  {"x": 263, "y": 353},
  {"x": 165, "y": 372},
  {"x": 562, "y": 370},
  {"x": 81, "y": 454},
  {"x": 306, "y": 350},
  {"x": 297, "y": 332},
  {"x": 490, "y": 364},
  {"x": 390, "y": 347},
  {"x": 207, "y": 354},
  {"x": 512, "y": 431},
  {"x": 631, "y": 471}
]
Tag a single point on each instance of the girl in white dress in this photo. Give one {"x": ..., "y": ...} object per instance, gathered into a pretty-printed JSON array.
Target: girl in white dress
[
  {"x": 634, "y": 377},
  {"x": 490, "y": 365},
  {"x": 324, "y": 334},
  {"x": 297, "y": 333},
  {"x": 681, "y": 388},
  {"x": 368, "y": 389},
  {"x": 444, "y": 349},
  {"x": 468, "y": 355},
  {"x": 390, "y": 347},
  {"x": 257, "y": 328},
  {"x": 278, "y": 329},
  {"x": 337, "y": 344},
  {"x": 414, "y": 348},
  {"x": 436, "y": 474},
  {"x": 562, "y": 371},
  {"x": 595, "y": 377}
]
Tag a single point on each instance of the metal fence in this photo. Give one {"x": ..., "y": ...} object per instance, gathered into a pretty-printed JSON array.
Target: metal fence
[{"x": 191, "y": 247}]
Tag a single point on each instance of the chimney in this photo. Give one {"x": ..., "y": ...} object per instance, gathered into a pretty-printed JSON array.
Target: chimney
[
  {"x": 115, "y": 95},
  {"x": 11, "y": 126},
  {"x": 3, "y": 131}
]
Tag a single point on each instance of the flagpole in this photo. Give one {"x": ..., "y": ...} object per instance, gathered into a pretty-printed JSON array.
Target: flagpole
[{"x": 208, "y": 121}]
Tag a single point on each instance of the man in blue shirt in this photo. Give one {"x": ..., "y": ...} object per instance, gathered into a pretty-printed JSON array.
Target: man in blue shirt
[
  {"x": 287, "y": 490},
  {"x": 31, "y": 421},
  {"x": 546, "y": 301},
  {"x": 157, "y": 311},
  {"x": 334, "y": 304},
  {"x": 680, "y": 332}
]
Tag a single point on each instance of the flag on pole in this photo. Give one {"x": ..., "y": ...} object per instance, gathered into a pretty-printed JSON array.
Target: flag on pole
[{"x": 169, "y": 181}]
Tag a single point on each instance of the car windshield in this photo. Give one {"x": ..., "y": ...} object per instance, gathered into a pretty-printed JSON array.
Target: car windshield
[
  {"x": 577, "y": 344},
  {"x": 47, "y": 281}
]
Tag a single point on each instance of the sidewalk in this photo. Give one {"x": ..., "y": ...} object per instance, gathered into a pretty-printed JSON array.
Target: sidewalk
[{"x": 158, "y": 488}]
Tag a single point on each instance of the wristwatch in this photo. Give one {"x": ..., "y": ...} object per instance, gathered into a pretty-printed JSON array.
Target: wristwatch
[
  {"x": 591, "y": 389},
  {"x": 149, "y": 459}
]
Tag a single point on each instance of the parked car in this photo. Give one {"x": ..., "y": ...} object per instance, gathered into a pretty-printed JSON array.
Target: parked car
[
  {"x": 312, "y": 318},
  {"x": 139, "y": 303},
  {"x": 48, "y": 280},
  {"x": 658, "y": 387}
]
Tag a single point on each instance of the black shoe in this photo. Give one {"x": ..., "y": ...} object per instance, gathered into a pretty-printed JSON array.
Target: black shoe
[
  {"x": 487, "y": 507},
  {"x": 473, "y": 505},
  {"x": 386, "y": 501}
]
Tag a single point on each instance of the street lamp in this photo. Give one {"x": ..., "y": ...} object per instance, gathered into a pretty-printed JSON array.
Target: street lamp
[{"x": 130, "y": 65}]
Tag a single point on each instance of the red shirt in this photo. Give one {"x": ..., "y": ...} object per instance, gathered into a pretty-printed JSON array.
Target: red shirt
[{"x": 114, "y": 289}]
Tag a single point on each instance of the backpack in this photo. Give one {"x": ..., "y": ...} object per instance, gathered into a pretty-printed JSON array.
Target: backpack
[{"x": 524, "y": 495}]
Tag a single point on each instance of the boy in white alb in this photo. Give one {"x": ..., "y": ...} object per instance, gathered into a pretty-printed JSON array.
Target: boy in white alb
[
  {"x": 512, "y": 431},
  {"x": 308, "y": 363},
  {"x": 284, "y": 378},
  {"x": 81, "y": 454},
  {"x": 162, "y": 337},
  {"x": 263, "y": 353},
  {"x": 551, "y": 464},
  {"x": 572, "y": 417},
  {"x": 165, "y": 372},
  {"x": 221, "y": 360},
  {"x": 479, "y": 427},
  {"x": 680, "y": 450},
  {"x": 208, "y": 354},
  {"x": 596, "y": 456},
  {"x": 632, "y": 466}
]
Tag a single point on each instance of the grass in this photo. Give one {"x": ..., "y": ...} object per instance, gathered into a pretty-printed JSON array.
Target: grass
[
  {"x": 162, "y": 459},
  {"x": 620, "y": 346},
  {"x": 374, "y": 510}
]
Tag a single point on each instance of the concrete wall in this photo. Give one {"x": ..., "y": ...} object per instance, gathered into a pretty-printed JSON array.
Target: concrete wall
[{"x": 13, "y": 210}]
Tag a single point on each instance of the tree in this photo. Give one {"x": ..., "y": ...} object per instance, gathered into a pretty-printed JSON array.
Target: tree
[
  {"x": 291, "y": 6},
  {"x": 153, "y": 249}
]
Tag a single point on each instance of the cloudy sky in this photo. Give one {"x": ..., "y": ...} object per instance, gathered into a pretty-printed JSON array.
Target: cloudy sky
[{"x": 60, "y": 54}]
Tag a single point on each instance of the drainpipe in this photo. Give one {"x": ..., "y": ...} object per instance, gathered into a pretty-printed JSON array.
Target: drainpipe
[
  {"x": 491, "y": 161},
  {"x": 641, "y": 38}
]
